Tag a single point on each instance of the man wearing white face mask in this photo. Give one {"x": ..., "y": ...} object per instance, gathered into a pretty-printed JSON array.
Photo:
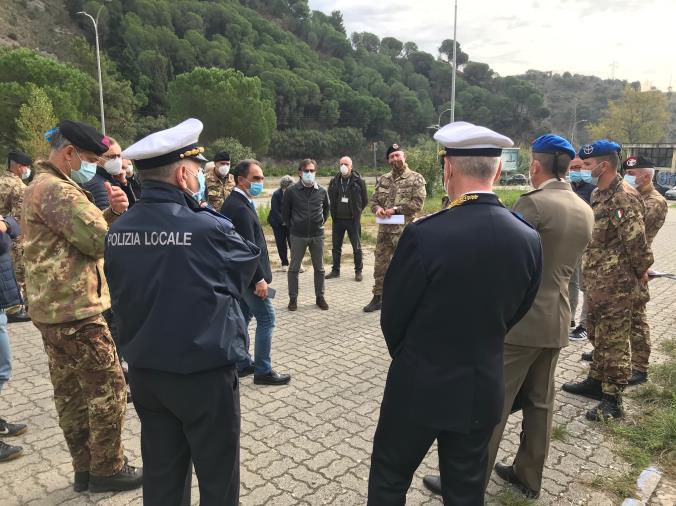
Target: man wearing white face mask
[
  {"x": 219, "y": 180},
  {"x": 108, "y": 170}
]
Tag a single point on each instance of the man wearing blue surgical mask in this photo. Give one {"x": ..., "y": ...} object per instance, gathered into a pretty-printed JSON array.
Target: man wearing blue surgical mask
[
  {"x": 580, "y": 181},
  {"x": 305, "y": 209}
]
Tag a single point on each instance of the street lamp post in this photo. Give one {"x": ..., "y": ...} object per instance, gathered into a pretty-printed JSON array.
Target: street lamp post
[
  {"x": 455, "y": 60},
  {"x": 574, "y": 129},
  {"x": 98, "y": 63}
]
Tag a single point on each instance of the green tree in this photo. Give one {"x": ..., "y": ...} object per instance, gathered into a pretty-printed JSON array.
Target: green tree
[
  {"x": 446, "y": 49},
  {"x": 36, "y": 116},
  {"x": 637, "y": 117},
  {"x": 228, "y": 103},
  {"x": 235, "y": 149}
]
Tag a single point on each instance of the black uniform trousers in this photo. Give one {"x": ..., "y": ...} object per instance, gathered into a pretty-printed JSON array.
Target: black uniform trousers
[
  {"x": 188, "y": 417},
  {"x": 399, "y": 447},
  {"x": 353, "y": 228},
  {"x": 283, "y": 242}
]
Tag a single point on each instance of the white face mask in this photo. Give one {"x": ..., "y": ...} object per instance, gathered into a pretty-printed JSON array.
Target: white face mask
[
  {"x": 344, "y": 169},
  {"x": 223, "y": 170},
  {"x": 130, "y": 170},
  {"x": 114, "y": 166}
]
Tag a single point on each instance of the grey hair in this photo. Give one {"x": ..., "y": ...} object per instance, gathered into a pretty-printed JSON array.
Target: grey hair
[
  {"x": 163, "y": 174},
  {"x": 59, "y": 142},
  {"x": 476, "y": 167},
  {"x": 649, "y": 170},
  {"x": 285, "y": 182}
]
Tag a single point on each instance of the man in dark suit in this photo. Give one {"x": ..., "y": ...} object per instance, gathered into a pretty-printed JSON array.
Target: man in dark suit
[
  {"x": 281, "y": 231},
  {"x": 458, "y": 281},
  {"x": 240, "y": 209}
]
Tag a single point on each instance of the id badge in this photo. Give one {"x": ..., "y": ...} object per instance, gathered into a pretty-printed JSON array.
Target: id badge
[{"x": 344, "y": 200}]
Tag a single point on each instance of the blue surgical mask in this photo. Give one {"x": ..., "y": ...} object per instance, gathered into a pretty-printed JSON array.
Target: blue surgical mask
[
  {"x": 26, "y": 174},
  {"x": 85, "y": 173},
  {"x": 587, "y": 177},
  {"x": 575, "y": 176},
  {"x": 630, "y": 180},
  {"x": 201, "y": 180},
  {"x": 309, "y": 177},
  {"x": 256, "y": 189}
]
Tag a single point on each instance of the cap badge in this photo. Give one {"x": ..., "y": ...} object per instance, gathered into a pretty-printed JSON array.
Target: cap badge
[
  {"x": 395, "y": 146},
  {"x": 588, "y": 149},
  {"x": 631, "y": 162}
]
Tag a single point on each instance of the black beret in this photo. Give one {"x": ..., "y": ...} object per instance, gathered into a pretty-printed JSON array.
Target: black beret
[
  {"x": 84, "y": 136},
  {"x": 222, "y": 156},
  {"x": 637, "y": 162},
  {"x": 392, "y": 149},
  {"x": 19, "y": 157}
]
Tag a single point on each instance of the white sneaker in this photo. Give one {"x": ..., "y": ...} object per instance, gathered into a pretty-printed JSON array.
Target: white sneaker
[{"x": 285, "y": 268}]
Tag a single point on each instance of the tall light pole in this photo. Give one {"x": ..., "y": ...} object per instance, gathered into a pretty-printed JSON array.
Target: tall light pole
[
  {"x": 455, "y": 60},
  {"x": 98, "y": 63},
  {"x": 574, "y": 129}
]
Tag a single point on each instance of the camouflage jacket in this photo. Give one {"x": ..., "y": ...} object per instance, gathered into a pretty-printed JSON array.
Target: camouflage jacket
[
  {"x": 655, "y": 211},
  {"x": 218, "y": 188},
  {"x": 407, "y": 193},
  {"x": 11, "y": 195},
  {"x": 63, "y": 235},
  {"x": 618, "y": 254}
]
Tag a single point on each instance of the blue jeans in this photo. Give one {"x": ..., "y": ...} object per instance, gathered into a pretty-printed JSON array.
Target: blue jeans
[
  {"x": 264, "y": 312},
  {"x": 5, "y": 352}
]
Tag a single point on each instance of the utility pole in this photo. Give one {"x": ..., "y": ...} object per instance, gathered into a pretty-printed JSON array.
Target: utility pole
[
  {"x": 613, "y": 67},
  {"x": 375, "y": 149},
  {"x": 455, "y": 59}
]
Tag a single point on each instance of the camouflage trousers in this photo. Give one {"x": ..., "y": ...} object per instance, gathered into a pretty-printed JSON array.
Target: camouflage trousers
[
  {"x": 640, "y": 330},
  {"x": 386, "y": 243},
  {"x": 89, "y": 392},
  {"x": 609, "y": 320}
]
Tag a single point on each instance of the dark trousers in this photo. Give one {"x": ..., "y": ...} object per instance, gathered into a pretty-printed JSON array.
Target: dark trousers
[
  {"x": 283, "y": 242},
  {"x": 399, "y": 447},
  {"x": 353, "y": 229},
  {"x": 188, "y": 417}
]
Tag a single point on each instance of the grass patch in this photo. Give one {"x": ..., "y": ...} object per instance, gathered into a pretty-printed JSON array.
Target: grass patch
[
  {"x": 621, "y": 486},
  {"x": 510, "y": 498},
  {"x": 560, "y": 433},
  {"x": 509, "y": 196}
]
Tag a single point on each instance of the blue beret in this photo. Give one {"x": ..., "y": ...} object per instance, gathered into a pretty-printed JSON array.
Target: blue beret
[
  {"x": 552, "y": 144},
  {"x": 601, "y": 147}
]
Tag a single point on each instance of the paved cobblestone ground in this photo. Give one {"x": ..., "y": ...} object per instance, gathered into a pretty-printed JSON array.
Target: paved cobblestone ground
[{"x": 309, "y": 443}]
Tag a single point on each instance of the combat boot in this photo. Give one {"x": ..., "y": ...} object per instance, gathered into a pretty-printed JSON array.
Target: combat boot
[
  {"x": 588, "y": 388},
  {"x": 128, "y": 478},
  {"x": 638, "y": 377},
  {"x": 293, "y": 304},
  {"x": 81, "y": 481},
  {"x": 609, "y": 408},
  {"x": 587, "y": 356},
  {"x": 374, "y": 305}
]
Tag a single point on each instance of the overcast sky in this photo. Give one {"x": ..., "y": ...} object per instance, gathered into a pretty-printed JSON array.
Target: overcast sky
[{"x": 512, "y": 36}]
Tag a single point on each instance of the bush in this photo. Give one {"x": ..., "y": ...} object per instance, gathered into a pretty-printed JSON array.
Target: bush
[
  {"x": 235, "y": 148},
  {"x": 424, "y": 158}
]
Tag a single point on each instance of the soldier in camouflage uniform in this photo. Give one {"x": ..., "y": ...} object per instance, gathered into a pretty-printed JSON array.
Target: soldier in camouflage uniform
[
  {"x": 639, "y": 173},
  {"x": 615, "y": 265},
  {"x": 12, "y": 188},
  {"x": 64, "y": 242},
  {"x": 219, "y": 181},
  {"x": 400, "y": 191}
]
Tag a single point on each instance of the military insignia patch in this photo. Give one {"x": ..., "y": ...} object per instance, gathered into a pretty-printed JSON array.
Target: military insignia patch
[
  {"x": 461, "y": 200},
  {"x": 588, "y": 149},
  {"x": 631, "y": 162},
  {"x": 619, "y": 214}
]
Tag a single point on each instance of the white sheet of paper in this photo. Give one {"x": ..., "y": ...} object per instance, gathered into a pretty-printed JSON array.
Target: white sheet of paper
[{"x": 395, "y": 219}]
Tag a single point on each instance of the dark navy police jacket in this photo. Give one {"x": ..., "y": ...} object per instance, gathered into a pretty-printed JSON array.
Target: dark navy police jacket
[
  {"x": 458, "y": 281},
  {"x": 176, "y": 272}
]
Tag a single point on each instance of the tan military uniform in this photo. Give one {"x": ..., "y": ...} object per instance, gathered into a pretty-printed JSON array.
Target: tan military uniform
[
  {"x": 218, "y": 188},
  {"x": 655, "y": 213},
  {"x": 613, "y": 265},
  {"x": 64, "y": 234},
  {"x": 405, "y": 193},
  {"x": 532, "y": 346},
  {"x": 12, "y": 189}
]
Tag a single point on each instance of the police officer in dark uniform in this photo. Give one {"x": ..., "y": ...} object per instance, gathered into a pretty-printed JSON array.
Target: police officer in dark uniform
[
  {"x": 176, "y": 273},
  {"x": 458, "y": 281}
]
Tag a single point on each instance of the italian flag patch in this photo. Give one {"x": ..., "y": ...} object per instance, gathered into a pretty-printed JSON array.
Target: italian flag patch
[{"x": 619, "y": 214}]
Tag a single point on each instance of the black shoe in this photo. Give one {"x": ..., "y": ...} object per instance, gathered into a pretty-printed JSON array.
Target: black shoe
[
  {"x": 374, "y": 305},
  {"x": 572, "y": 324},
  {"x": 358, "y": 276},
  {"x": 638, "y": 377},
  {"x": 81, "y": 481},
  {"x": 321, "y": 302},
  {"x": 609, "y": 408},
  {"x": 588, "y": 388},
  {"x": 9, "y": 452},
  {"x": 432, "y": 483},
  {"x": 272, "y": 378},
  {"x": 11, "y": 429},
  {"x": 578, "y": 334},
  {"x": 247, "y": 371},
  {"x": 588, "y": 356},
  {"x": 332, "y": 274},
  {"x": 20, "y": 316},
  {"x": 129, "y": 397},
  {"x": 293, "y": 304},
  {"x": 507, "y": 473},
  {"x": 128, "y": 478}
]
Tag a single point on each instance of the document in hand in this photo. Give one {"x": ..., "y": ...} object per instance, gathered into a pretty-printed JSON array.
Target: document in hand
[{"x": 395, "y": 219}]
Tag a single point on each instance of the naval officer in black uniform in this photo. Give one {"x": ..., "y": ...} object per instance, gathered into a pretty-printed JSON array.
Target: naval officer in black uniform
[
  {"x": 458, "y": 281},
  {"x": 176, "y": 273}
]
